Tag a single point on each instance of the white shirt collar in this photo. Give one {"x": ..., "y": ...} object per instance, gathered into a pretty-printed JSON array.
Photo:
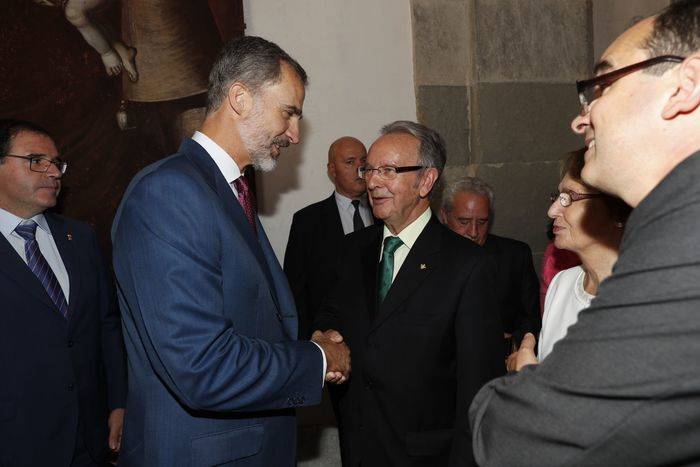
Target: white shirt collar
[
  {"x": 228, "y": 167},
  {"x": 9, "y": 221},
  {"x": 412, "y": 231},
  {"x": 346, "y": 203}
]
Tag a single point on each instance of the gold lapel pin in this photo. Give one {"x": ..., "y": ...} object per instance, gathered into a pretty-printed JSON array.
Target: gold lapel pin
[
  {"x": 423, "y": 266},
  {"x": 69, "y": 237}
]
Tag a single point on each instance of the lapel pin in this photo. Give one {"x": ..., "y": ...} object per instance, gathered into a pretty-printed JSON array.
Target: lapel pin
[
  {"x": 423, "y": 266},
  {"x": 69, "y": 237}
]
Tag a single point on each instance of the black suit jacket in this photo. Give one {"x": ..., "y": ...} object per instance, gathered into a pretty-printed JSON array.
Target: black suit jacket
[
  {"x": 311, "y": 256},
  {"x": 420, "y": 356},
  {"x": 58, "y": 375},
  {"x": 517, "y": 285}
]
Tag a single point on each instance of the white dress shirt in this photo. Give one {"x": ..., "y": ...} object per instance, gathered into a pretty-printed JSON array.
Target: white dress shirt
[
  {"x": 347, "y": 212},
  {"x": 565, "y": 298},
  {"x": 47, "y": 246},
  {"x": 231, "y": 172},
  {"x": 408, "y": 236}
]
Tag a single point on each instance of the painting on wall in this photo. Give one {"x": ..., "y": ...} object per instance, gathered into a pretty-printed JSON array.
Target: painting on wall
[{"x": 118, "y": 83}]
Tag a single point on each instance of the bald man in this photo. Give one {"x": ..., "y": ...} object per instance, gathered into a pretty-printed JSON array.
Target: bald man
[{"x": 318, "y": 229}]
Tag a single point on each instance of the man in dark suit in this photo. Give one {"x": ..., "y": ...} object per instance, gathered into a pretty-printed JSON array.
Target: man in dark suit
[
  {"x": 215, "y": 369},
  {"x": 415, "y": 304},
  {"x": 623, "y": 386},
  {"x": 467, "y": 209},
  {"x": 63, "y": 375},
  {"x": 317, "y": 230}
]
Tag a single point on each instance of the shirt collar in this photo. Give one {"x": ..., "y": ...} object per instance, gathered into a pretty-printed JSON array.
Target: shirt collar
[
  {"x": 228, "y": 167},
  {"x": 412, "y": 231},
  {"x": 8, "y": 222},
  {"x": 345, "y": 203}
]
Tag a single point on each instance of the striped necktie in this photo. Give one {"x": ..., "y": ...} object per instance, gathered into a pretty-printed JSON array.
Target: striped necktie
[{"x": 41, "y": 269}]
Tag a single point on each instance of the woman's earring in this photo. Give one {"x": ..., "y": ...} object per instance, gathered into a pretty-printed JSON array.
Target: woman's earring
[{"x": 619, "y": 224}]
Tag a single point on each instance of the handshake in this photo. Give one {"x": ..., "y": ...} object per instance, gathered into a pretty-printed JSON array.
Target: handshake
[{"x": 337, "y": 355}]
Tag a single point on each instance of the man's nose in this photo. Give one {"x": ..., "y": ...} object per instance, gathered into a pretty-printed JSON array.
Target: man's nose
[
  {"x": 53, "y": 171},
  {"x": 293, "y": 132},
  {"x": 472, "y": 231}
]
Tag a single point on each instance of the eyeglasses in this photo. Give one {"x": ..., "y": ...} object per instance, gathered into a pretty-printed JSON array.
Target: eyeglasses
[
  {"x": 565, "y": 198},
  {"x": 40, "y": 163},
  {"x": 386, "y": 172},
  {"x": 591, "y": 89}
]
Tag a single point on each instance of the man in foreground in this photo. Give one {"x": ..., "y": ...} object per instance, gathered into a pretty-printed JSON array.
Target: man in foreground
[
  {"x": 60, "y": 339},
  {"x": 210, "y": 325},
  {"x": 623, "y": 387},
  {"x": 415, "y": 304}
]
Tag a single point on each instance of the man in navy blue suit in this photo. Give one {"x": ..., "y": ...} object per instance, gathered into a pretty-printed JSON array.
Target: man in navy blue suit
[
  {"x": 60, "y": 339},
  {"x": 215, "y": 369}
]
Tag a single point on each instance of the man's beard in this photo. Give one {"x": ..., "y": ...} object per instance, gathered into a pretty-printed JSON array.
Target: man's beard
[{"x": 258, "y": 144}]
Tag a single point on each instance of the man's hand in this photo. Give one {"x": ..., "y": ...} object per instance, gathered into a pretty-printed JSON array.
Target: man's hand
[
  {"x": 115, "y": 423},
  {"x": 337, "y": 355},
  {"x": 525, "y": 355}
]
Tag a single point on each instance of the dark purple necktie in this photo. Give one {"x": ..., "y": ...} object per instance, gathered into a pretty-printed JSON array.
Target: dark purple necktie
[
  {"x": 247, "y": 200},
  {"x": 41, "y": 269}
]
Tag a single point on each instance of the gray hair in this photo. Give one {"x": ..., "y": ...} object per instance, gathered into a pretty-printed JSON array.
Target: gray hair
[
  {"x": 473, "y": 185},
  {"x": 252, "y": 61},
  {"x": 432, "y": 152}
]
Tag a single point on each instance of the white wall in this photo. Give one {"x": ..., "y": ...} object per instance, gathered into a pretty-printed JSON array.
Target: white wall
[{"x": 358, "y": 55}]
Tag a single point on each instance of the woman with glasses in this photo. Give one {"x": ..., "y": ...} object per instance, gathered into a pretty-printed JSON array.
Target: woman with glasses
[{"x": 590, "y": 224}]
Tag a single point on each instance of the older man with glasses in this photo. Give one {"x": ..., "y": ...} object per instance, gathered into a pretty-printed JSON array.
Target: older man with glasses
[
  {"x": 415, "y": 303},
  {"x": 60, "y": 338},
  {"x": 623, "y": 387}
]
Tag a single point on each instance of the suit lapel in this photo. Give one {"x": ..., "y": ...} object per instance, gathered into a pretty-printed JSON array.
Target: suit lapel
[
  {"x": 17, "y": 271},
  {"x": 419, "y": 264},
  {"x": 331, "y": 218},
  {"x": 370, "y": 266},
  {"x": 68, "y": 251},
  {"x": 212, "y": 175}
]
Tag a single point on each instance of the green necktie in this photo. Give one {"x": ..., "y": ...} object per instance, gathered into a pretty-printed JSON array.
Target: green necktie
[{"x": 386, "y": 266}]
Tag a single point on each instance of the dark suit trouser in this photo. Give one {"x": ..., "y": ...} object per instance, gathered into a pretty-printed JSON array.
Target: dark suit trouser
[{"x": 81, "y": 456}]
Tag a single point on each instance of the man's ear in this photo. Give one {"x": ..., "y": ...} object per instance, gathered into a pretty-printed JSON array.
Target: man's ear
[
  {"x": 443, "y": 215},
  {"x": 428, "y": 181},
  {"x": 686, "y": 99},
  {"x": 240, "y": 99},
  {"x": 330, "y": 167}
]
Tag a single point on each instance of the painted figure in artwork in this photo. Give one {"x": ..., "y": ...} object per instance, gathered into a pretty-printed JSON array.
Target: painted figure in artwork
[{"x": 115, "y": 55}]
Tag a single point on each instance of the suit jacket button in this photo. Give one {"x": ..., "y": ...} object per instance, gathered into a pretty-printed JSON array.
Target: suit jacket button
[
  {"x": 71, "y": 386},
  {"x": 70, "y": 343},
  {"x": 279, "y": 316},
  {"x": 368, "y": 386}
]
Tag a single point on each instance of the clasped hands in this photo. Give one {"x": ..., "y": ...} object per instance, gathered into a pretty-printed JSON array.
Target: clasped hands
[
  {"x": 525, "y": 355},
  {"x": 337, "y": 355}
]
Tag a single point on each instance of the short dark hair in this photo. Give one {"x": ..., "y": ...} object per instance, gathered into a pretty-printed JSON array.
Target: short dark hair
[
  {"x": 432, "y": 152},
  {"x": 676, "y": 32},
  {"x": 250, "y": 60},
  {"x": 572, "y": 166},
  {"x": 10, "y": 127}
]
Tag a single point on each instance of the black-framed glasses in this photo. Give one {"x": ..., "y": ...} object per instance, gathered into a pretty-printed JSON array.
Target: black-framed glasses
[
  {"x": 386, "y": 172},
  {"x": 591, "y": 89},
  {"x": 40, "y": 163},
  {"x": 565, "y": 198}
]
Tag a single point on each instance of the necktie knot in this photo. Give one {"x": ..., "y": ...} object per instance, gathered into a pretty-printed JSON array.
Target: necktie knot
[
  {"x": 391, "y": 244},
  {"x": 27, "y": 230},
  {"x": 247, "y": 200},
  {"x": 356, "y": 203}
]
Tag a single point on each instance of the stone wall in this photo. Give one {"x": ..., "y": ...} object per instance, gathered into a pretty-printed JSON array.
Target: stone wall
[{"x": 496, "y": 79}]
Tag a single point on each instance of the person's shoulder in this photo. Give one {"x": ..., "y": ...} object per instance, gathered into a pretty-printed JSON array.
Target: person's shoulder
[
  {"x": 510, "y": 244},
  {"x": 363, "y": 236},
  {"x": 566, "y": 276},
  {"x": 313, "y": 210},
  {"x": 456, "y": 244}
]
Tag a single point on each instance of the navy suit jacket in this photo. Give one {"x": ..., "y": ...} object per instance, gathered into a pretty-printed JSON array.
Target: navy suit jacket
[
  {"x": 57, "y": 375},
  {"x": 209, "y": 322}
]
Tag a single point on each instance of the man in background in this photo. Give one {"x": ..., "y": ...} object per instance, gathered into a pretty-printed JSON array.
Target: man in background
[
  {"x": 63, "y": 388},
  {"x": 468, "y": 209},
  {"x": 317, "y": 230}
]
